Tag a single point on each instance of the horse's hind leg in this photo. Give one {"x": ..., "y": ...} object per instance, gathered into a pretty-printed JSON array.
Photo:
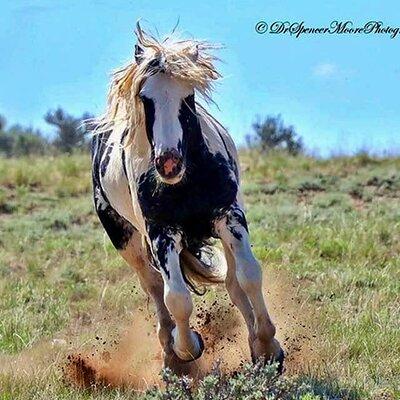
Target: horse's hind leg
[{"x": 233, "y": 232}]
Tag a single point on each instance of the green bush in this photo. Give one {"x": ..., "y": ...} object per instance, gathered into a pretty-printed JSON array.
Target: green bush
[
  {"x": 252, "y": 382},
  {"x": 272, "y": 133}
]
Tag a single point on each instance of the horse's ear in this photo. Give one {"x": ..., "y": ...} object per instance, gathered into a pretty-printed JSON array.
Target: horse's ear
[
  {"x": 193, "y": 53},
  {"x": 138, "y": 53}
]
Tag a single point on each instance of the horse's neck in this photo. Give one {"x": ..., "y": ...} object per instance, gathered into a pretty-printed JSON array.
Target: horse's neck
[{"x": 211, "y": 137}]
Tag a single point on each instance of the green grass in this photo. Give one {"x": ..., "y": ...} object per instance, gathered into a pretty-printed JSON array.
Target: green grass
[{"x": 332, "y": 226}]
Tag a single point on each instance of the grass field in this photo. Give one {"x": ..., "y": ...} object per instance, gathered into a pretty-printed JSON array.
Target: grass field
[{"x": 327, "y": 231}]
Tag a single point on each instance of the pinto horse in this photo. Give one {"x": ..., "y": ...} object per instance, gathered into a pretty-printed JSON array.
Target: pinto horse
[{"x": 166, "y": 181}]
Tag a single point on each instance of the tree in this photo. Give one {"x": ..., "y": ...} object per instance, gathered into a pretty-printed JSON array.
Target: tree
[
  {"x": 6, "y": 144},
  {"x": 3, "y": 123},
  {"x": 27, "y": 141},
  {"x": 6, "y": 141},
  {"x": 70, "y": 130},
  {"x": 20, "y": 141},
  {"x": 271, "y": 133}
]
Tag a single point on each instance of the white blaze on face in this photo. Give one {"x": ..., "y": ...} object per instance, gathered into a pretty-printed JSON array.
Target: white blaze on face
[{"x": 167, "y": 94}]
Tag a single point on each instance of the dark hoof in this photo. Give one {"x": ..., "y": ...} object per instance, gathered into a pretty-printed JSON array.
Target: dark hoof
[
  {"x": 200, "y": 352},
  {"x": 178, "y": 366},
  {"x": 201, "y": 343},
  {"x": 280, "y": 359}
]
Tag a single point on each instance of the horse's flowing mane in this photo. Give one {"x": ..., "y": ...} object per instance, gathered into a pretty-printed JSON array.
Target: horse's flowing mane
[{"x": 186, "y": 60}]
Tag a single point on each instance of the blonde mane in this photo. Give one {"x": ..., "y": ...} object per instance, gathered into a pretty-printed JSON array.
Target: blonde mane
[{"x": 185, "y": 60}]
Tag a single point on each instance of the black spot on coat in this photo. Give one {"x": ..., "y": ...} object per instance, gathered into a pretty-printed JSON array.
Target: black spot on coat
[
  {"x": 235, "y": 219},
  {"x": 118, "y": 228},
  {"x": 163, "y": 242},
  {"x": 206, "y": 192}
]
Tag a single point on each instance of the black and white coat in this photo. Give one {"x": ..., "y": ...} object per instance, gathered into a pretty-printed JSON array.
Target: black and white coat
[{"x": 162, "y": 197}]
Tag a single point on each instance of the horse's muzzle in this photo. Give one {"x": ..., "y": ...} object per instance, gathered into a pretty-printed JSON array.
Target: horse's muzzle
[{"x": 169, "y": 165}]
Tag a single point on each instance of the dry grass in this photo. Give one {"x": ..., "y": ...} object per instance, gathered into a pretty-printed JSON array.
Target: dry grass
[{"x": 328, "y": 230}]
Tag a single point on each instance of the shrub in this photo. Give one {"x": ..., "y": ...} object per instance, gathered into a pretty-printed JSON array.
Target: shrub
[
  {"x": 252, "y": 382},
  {"x": 272, "y": 133},
  {"x": 21, "y": 141}
]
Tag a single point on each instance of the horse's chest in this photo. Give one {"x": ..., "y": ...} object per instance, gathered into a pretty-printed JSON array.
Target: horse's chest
[{"x": 207, "y": 191}]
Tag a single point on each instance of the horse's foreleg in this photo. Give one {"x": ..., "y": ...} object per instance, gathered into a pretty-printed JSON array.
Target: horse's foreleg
[
  {"x": 166, "y": 246},
  {"x": 152, "y": 283},
  {"x": 234, "y": 234}
]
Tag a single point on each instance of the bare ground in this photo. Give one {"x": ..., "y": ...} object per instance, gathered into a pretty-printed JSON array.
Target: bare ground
[{"x": 131, "y": 356}]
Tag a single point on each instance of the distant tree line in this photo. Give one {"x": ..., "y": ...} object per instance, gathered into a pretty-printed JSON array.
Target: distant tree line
[{"x": 70, "y": 134}]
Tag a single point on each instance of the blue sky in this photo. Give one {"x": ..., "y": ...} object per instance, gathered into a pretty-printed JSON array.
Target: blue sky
[{"x": 340, "y": 92}]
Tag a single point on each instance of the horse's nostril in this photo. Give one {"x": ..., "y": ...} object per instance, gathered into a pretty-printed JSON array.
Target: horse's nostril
[
  {"x": 169, "y": 164},
  {"x": 159, "y": 162}
]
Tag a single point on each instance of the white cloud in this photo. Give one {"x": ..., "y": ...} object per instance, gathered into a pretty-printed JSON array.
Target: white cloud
[{"x": 325, "y": 70}]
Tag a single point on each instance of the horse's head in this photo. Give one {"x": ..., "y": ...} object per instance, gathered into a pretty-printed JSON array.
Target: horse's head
[
  {"x": 170, "y": 116},
  {"x": 157, "y": 92}
]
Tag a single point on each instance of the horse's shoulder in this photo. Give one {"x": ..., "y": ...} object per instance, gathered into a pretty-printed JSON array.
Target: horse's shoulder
[{"x": 219, "y": 142}]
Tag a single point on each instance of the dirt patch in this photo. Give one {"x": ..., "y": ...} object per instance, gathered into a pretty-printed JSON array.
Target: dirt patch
[
  {"x": 294, "y": 320},
  {"x": 131, "y": 356},
  {"x": 134, "y": 360}
]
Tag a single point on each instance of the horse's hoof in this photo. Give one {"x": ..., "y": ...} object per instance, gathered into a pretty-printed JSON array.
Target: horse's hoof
[
  {"x": 279, "y": 360},
  {"x": 187, "y": 356},
  {"x": 272, "y": 359}
]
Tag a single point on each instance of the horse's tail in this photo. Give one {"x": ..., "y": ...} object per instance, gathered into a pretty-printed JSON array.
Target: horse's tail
[{"x": 205, "y": 266}]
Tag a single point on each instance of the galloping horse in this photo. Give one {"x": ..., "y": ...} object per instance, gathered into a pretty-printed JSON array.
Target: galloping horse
[{"x": 166, "y": 181}]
